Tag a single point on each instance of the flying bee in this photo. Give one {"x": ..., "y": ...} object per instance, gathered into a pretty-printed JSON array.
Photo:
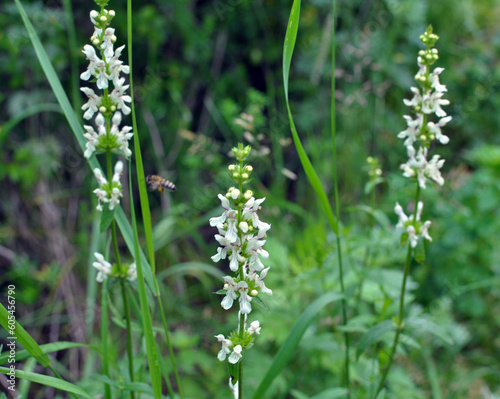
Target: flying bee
[{"x": 159, "y": 183}]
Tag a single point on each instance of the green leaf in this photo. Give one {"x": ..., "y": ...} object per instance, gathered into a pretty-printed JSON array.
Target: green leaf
[
  {"x": 46, "y": 348},
  {"x": 49, "y": 381},
  {"x": 22, "y": 336},
  {"x": 290, "y": 38},
  {"x": 374, "y": 334},
  {"x": 151, "y": 346},
  {"x": 419, "y": 251},
  {"x": 292, "y": 341},
  {"x": 261, "y": 303},
  {"x": 106, "y": 218},
  {"x": 234, "y": 371},
  {"x": 419, "y": 325}
]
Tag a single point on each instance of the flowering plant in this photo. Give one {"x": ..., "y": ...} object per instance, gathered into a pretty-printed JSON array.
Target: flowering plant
[
  {"x": 421, "y": 133},
  {"x": 241, "y": 236},
  {"x": 108, "y": 137}
]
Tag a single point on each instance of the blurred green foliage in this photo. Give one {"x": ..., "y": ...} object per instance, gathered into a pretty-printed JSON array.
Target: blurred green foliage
[{"x": 197, "y": 67}]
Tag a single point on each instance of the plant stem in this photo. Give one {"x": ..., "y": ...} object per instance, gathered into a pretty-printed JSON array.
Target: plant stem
[
  {"x": 337, "y": 212},
  {"x": 240, "y": 380},
  {"x": 130, "y": 350},
  {"x": 104, "y": 337},
  {"x": 400, "y": 324}
]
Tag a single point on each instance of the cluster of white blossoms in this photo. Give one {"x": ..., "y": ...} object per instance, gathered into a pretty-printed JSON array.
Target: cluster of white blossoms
[
  {"x": 105, "y": 269},
  {"x": 241, "y": 235},
  {"x": 109, "y": 192},
  {"x": 104, "y": 69},
  {"x": 421, "y": 132}
]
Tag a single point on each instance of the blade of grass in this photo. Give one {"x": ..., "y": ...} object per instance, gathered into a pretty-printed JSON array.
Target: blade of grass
[
  {"x": 292, "y": 341},
  {"x": 154, "y": 365},
  {"x": 48, "y": 381},
  {"x": 46, "y": 348},
  {"x": 24, "y": 338},
  {"x": 290, "y": 38}
]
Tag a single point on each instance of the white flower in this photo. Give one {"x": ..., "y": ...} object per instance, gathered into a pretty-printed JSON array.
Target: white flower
[
  {"x": 226, "y": 347},
  {"x": 132, "y": 272},
  {"x": 109, "y": 193},
  {"x": 416, "y": 100},
  {"x": 234, "y": 388},
  {"x": 435, "y": 129},
  {"x": 434, "y": 80},
  {"x": 414, "y": 228},
  {"x": 95, "y": 63},
  {"x": 119, "y": 97},
  {"x": 254, "y": 327},
  {"x": 259, "y": 280},
  {"x": 107, "y": 43},
  {"x": 92, "y": 106},
  {"x": 236, "y": 355},
  {"x": 92, "y": 141},
  {"x": 115, "y": 67},
  {"x": 245, "y": 299},
  {"x": 231, "y": 295},
  {"x": 103, "y": 267},
  {"x": 419, "y": 166},
  {"x": 413, "y": 131},
  {"x": 431, "y": 103}
]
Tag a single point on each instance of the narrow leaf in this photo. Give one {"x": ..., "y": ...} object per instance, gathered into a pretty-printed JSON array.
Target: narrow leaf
[
  {"x": 46, "y": 348},
  {"x": 49, "y": 381},
  {"x": 290, "y": 38},
  {"x": 374, "y": 334},
  {"x": 22, "y": 336},
  {"x": 106, "y": 218}
]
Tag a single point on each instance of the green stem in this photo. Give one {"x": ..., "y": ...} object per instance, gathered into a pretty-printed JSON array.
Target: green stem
[
  {"x": 240, "y": 379},
  {"x": 169, "y": 345},
  {"x": 337, "y": 212},
  {"x": 104, "y": 337},
  {"x": 130, "y": 350},
  {"x": 400, "y": 324}
]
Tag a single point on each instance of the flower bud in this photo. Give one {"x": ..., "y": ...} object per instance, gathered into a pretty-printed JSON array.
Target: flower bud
[
  {"x": 103, "y": 18},
  {"x": 254, "y": 293},
  {"x": 102, "y": 109}
]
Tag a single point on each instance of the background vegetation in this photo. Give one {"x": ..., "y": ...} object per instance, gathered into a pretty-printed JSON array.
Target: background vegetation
[{"x": 197, "y": 66}]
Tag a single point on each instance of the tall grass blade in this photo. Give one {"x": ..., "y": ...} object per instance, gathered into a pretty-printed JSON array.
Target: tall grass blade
[
  {"x": 147, "y": 325},
  {"x": 290, "y": 38},
  {"x": 46, "y": 348},
  {"x": 24, "y": 338},
  {"x": 49, "y": 381}
]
